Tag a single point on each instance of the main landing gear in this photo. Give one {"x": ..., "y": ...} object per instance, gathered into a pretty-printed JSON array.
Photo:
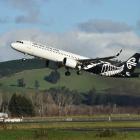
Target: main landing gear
[
  {"x": 67, "y": 73},
  {"x": 79, "y": 72}
]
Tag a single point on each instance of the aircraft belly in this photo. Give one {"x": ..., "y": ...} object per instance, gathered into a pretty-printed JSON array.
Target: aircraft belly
[{"x": 26, "y": 50}]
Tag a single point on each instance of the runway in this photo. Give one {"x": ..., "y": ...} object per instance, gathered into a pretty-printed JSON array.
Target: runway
[
  {"x": 71, "y": 119},
  {"x": 120, "y": 124}
]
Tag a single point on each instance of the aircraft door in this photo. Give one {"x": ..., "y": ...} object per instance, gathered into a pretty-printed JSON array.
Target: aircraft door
[{"x": 29, "y": 47}]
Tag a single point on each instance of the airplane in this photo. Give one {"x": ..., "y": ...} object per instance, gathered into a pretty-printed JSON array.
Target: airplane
[{"x": 100, "y": 66}]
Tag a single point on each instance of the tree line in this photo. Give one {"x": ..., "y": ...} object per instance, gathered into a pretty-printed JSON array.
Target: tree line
[{"x": 62, "y": 101}]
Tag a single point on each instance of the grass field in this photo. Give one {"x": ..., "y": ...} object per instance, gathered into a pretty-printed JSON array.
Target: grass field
[
  {"x": 74, "y": 125},
  {"x": 68, "y": 131},
  {"x": 51, "y": 134}
]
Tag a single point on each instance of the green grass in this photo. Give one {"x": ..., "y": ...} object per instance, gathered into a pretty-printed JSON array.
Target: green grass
[
  {"x": 56, "y": 134},
  {"x": 69, "y": 131},
  {"x": 16, "y": 134},
  {"x": 81, "y": 83},
  {"x": 74, "y": 125}
]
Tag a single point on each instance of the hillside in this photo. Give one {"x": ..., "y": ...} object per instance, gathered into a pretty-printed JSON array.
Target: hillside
[
  {"x": 11, "y": 67},
  {"x": 34, "y": 70},
  {"x": 81, "y": 83}
]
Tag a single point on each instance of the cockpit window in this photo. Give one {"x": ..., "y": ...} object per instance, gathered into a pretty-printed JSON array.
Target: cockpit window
[{"x": 20, "y": 42}]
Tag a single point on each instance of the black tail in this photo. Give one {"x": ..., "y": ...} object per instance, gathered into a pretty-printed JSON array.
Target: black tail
[{"x": 130, "y": 65}]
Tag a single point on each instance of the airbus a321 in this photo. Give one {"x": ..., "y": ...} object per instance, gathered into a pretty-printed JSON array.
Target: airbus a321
[{"x": 101, "y": 66}]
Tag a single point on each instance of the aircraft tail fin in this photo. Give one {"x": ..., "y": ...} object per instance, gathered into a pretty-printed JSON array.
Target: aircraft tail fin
[{"x": 130, "y": 64}]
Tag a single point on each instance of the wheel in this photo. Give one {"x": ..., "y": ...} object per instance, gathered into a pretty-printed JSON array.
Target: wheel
[
  {"x": 67, "y": 73},
  {"x": 23, "y": 59},
  {"x": 78, "y": 72}
]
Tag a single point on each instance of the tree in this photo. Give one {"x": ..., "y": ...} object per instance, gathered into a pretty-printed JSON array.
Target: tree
[
  {"x": 37, "y": 85},
  {"x": 92, "y": 97},
  {"x": 20, "y": 106},
  {"x": 63, "y": 99},
  {"x": 5, "y": 97},
  {"x": 53, "y": 77},
  {"x": 78, "y": 98},
  {"x": 21, "y": 82}
]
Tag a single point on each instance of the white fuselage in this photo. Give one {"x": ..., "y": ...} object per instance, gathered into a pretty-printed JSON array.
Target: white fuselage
[{"x": 44, "y": 51}]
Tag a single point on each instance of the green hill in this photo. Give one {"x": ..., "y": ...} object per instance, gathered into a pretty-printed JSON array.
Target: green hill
[
  {"x": 81, "y": 83},
  {"x": 32, "y": 70},
  {"x": 14, "y": 66}
]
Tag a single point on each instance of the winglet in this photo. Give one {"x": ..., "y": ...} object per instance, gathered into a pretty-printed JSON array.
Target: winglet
[{"x": 119, "y": 53}]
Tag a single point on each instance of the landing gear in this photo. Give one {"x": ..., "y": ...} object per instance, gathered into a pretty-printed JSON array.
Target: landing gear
[
  {"x": 78, "y": 72},
  {"x": 67, "y": 73},
  {"x": 23, "y": 59}
]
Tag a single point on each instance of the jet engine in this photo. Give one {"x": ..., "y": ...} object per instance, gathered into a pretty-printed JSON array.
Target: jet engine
[{"x": 70, "y": 63}]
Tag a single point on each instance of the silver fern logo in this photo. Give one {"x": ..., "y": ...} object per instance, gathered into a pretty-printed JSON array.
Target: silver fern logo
[
  {"x": 131, "y": 62},
  {"x": 128, "y": 73}
]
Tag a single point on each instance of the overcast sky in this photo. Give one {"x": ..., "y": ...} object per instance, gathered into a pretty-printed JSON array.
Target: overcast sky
[{"x": 92, "y": 28}]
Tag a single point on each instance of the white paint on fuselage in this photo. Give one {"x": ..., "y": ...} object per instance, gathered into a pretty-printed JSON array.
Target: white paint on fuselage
[{"x": 44, "y": 51}]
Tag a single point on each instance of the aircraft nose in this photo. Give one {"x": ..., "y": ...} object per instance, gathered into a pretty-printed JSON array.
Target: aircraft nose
[{"x": 13, "y": 45}]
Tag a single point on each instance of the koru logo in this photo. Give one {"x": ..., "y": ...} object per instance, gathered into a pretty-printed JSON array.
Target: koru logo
[
  {"x": 131, "y": 62},
  {"x": 128, "y": 73}
]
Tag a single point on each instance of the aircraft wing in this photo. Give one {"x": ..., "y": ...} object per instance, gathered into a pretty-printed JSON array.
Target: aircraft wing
[{"x": 88, "y": 61}]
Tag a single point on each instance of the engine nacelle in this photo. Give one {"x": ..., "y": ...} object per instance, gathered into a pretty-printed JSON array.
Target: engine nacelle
[{"x": 70, "y": 63}]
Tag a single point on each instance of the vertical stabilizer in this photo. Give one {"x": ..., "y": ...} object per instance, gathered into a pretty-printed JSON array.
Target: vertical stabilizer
[{"x": 130, "y": 65}]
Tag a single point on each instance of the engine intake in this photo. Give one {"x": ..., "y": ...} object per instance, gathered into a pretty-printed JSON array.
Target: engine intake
[{"x": 70, "y": 62}]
